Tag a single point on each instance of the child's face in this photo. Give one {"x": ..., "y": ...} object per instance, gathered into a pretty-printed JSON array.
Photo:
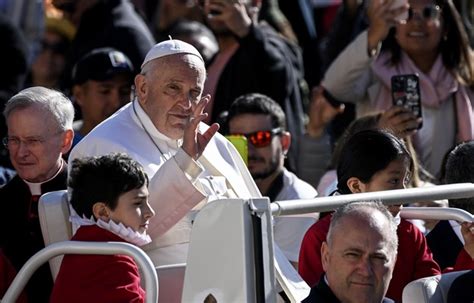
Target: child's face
[
  {"x": 395, "y": 176},
  {"x": 133, "y": 210}
]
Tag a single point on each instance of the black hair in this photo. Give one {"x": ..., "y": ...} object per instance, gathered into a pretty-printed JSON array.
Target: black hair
[
  {"x": 366, "y": 153},
  {"x": 103, "y": 179},
  {"x": 459, "y": 168},
  {"x": 258, "y": 104}
]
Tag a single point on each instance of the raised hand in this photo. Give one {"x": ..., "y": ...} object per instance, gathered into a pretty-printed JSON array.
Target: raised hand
[
  {"x": 321, "y": 112},
  {"x": 400, "y": 121},
  {"x": 467, "y": 231},
  {"x": 233, "y": 13},
  {"x": 381, "y": 18},
  {"x": 194, "y": 142}
]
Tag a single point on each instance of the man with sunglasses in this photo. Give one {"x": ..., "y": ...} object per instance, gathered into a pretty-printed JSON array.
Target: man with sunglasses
[{"x": 262, "y": 121}]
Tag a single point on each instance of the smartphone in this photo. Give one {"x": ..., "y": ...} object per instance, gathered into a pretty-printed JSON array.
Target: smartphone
[
  {"x": 406, "y": 93},
  {"x": 240, "y": 143}
]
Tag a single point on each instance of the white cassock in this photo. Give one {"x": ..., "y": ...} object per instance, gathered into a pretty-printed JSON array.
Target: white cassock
[{"x": 179, "y": 186}]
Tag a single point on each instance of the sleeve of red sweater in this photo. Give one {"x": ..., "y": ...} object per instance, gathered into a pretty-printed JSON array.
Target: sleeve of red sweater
[
  {"x": 309, "y": 264},
  {"x": 463, "y": 262},
  {"x": 425, "y": 265}
]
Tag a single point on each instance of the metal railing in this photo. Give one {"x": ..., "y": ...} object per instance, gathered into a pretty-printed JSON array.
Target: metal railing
[
  {"x": 388, "y": 197},
  {"x": 86, "y": 248},
  {"x": 436, "y": 213}
]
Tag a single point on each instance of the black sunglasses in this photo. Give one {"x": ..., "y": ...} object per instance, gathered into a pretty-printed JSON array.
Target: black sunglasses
[{"x": 429, "y": 12}]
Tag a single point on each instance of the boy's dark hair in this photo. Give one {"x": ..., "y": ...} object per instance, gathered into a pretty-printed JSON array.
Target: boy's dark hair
[
  {"x": 459, "y": 169},
  {"x": 258, "y": 104},
  {"x": 103, "y": 179}
]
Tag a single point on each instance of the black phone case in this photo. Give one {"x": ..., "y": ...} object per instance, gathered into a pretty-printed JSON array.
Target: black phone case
[{"x": 406, "y": 93}]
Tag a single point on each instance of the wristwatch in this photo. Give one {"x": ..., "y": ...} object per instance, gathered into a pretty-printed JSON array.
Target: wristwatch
[{"x": 372, "y": 52}]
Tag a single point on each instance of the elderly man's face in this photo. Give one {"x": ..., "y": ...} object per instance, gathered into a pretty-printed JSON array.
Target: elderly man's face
[
  {"x": 170, "y": 90},
  {"x": 36, "y": 143},
  {"x": 358, "y": 262}
]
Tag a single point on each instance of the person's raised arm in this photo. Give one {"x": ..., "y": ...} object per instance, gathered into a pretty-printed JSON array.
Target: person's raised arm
[
  {"x": 348, "y": 76},
  {"x": 194, "y": 142}
]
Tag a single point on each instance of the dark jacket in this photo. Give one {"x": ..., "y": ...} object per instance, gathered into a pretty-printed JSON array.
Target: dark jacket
[
  {"x": 265, "y": 63},
  {"x": 321, "y": 293},
  {"x": 444, "y": 244},
  {"x": 111, "y": 23},
  {"x": 20, "y": 231}
]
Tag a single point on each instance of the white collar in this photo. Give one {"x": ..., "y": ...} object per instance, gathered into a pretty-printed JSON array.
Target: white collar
[
  {"x": 35, "y": 188},
  {"x": 119, "y": 229},
  {"x": 150, "y": 128}
]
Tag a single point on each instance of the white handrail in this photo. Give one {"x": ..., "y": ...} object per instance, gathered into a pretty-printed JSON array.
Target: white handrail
[
  {"x": 85, "y": 248},
  {"x": 436, "y": 213},
  {"x": 388, "y": 197}
]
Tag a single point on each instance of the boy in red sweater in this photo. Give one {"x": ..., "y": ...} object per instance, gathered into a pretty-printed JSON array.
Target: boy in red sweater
[{"x": 110, "y": 196}]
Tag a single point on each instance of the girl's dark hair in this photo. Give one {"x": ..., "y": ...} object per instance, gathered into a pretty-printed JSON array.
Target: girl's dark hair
[
  {"x": 103, "y": 179},
  {"x": 454, "y": 46},
  {"x": 366, "y": 153}
]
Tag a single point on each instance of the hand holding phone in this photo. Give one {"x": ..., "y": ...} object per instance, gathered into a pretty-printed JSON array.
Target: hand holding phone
[{"x": 406, "y": 93}]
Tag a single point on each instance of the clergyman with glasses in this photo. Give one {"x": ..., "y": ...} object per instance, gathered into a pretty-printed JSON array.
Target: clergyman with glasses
[
  {"x": 263, "y": 123},
  {"x": 39, "y": 122}
]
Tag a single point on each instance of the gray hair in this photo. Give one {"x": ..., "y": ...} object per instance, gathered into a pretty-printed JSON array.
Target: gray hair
[
  {"x": 49, "y": 100},
  {"x": 365, "y": 210}
]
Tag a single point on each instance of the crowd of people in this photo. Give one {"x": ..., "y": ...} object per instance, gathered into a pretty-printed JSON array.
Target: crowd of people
[{"x": 127, "y": 104}]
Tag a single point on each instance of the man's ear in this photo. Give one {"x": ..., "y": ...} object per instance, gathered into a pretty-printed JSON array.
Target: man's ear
[
  {"x": 67, "y": 141},
  {"x": 141, "y": 88},
  {"x": 100, "y": 211},
  {"x": 325, "y": 256},
  {"x": 355, "y": 185},
  {"x": 285, "y": 139}
]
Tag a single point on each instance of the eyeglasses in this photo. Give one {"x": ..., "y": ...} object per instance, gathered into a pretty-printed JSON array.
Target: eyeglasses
[
  {"x": 429, "y": 12},
  {"x": 30, "y": 143},
  {"x": 262, "y": 138}
]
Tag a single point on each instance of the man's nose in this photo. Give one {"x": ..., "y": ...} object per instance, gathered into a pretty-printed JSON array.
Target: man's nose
[
  {"x": 185, "y": 100},
  {"x": 23, "y": 148},
  {"x": 364, "y": 267},
  {"x": 114, "y": 100}
]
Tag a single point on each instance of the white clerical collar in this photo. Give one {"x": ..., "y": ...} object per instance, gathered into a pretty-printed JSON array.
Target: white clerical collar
[
  {"x": 146, "y": 122},
  {"x": 35, "y": 188},
  {"x": 119, "y": 229}
]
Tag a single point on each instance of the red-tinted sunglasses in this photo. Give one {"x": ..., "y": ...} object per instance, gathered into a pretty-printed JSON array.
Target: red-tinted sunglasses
[
  {"x": 261, "y": 138},
  {"x": 429, "y": 12}
]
